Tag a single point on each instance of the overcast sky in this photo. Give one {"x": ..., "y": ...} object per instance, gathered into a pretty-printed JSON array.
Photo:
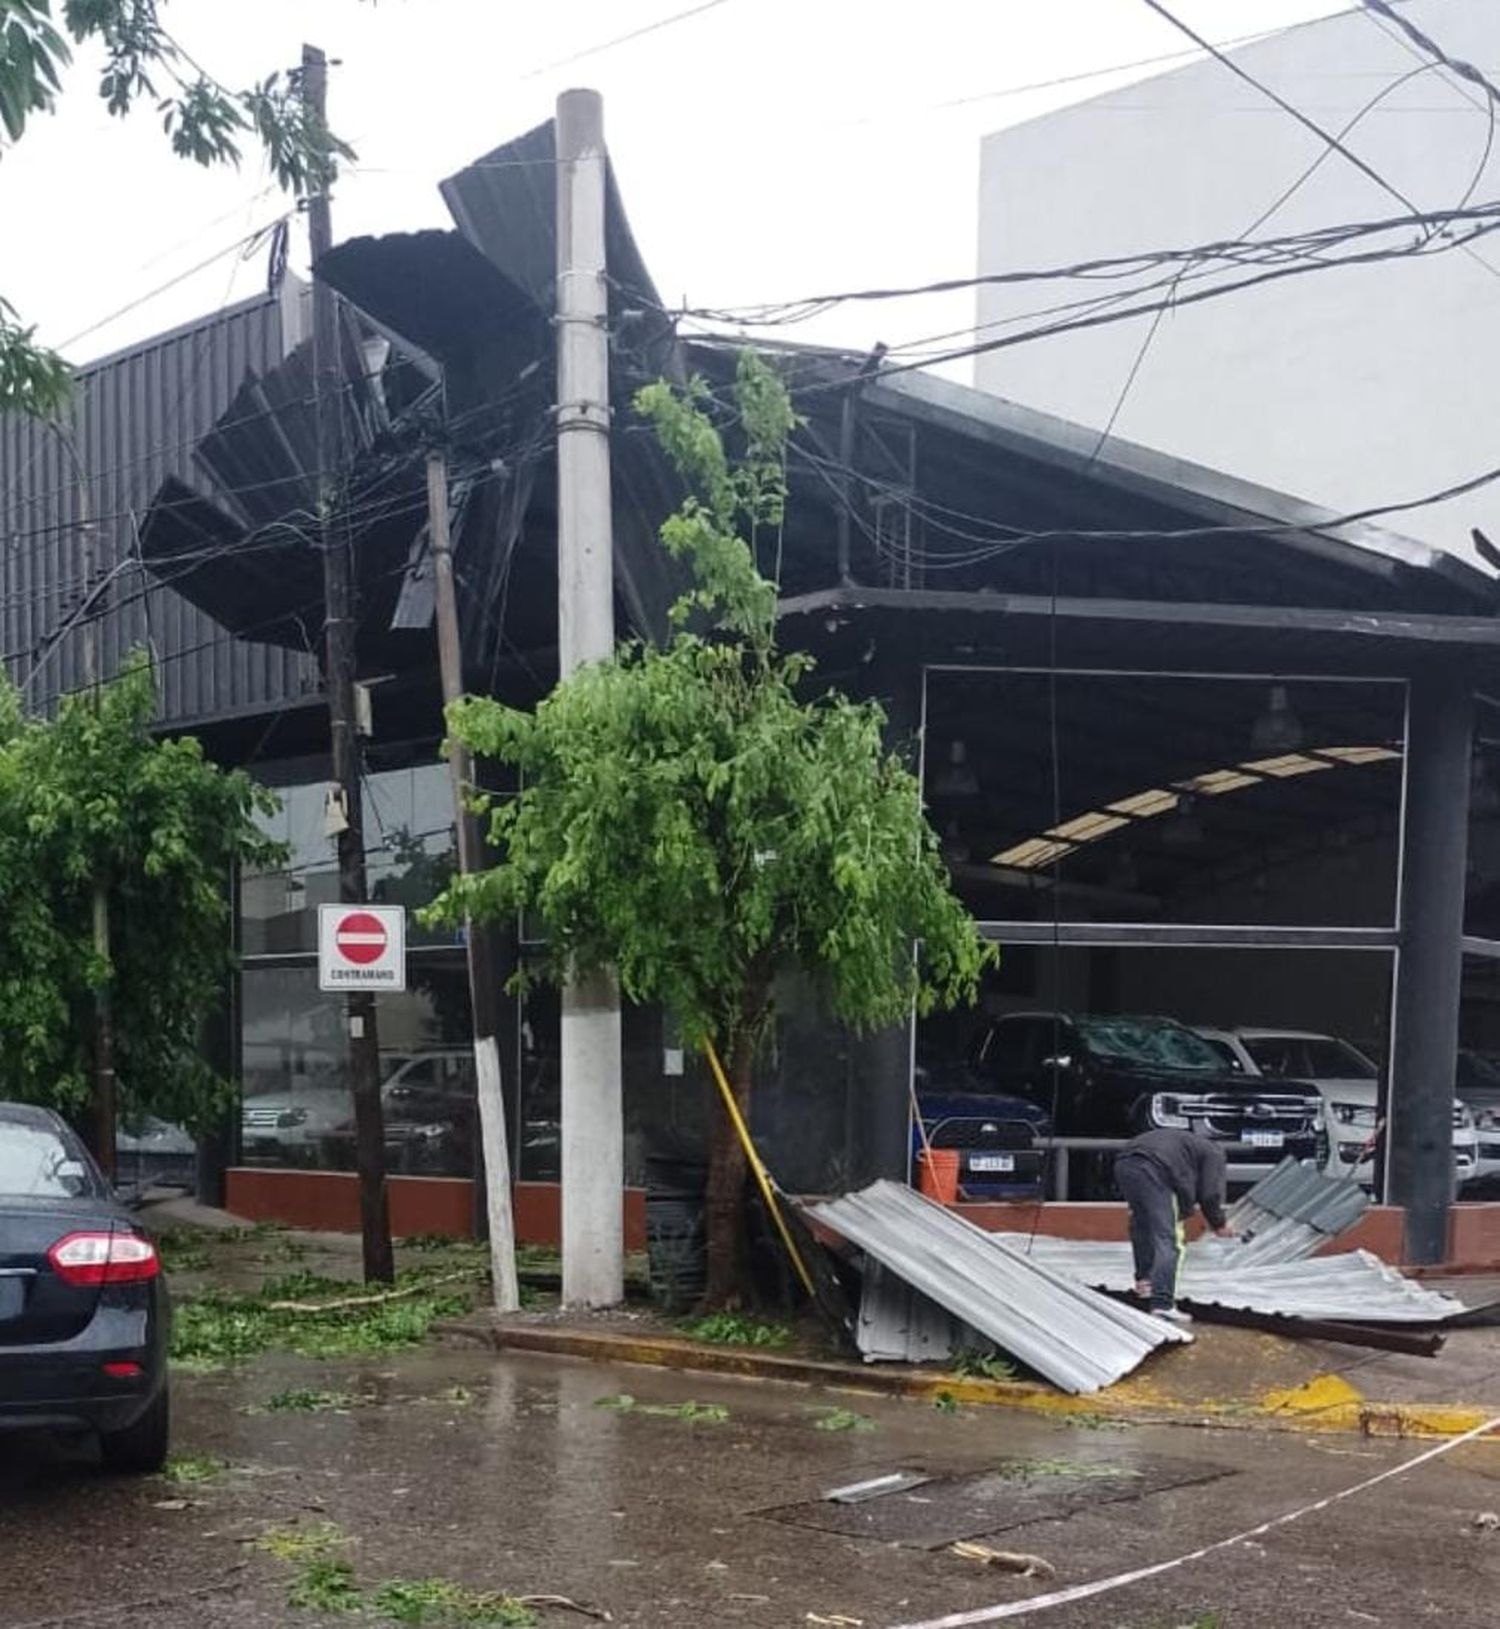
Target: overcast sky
[{"x": 765, "y": 148}]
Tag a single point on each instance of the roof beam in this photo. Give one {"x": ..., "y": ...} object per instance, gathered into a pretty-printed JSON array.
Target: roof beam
[{"x": 1479, "y": 632}]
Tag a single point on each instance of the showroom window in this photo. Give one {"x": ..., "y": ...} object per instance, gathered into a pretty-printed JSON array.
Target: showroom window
[
  {"x": 409, "y": 855},
  {"x": 1124, "y": 797}
]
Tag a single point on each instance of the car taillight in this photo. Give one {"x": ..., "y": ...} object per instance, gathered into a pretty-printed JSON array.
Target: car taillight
[{"x": 86, "y": 1259}]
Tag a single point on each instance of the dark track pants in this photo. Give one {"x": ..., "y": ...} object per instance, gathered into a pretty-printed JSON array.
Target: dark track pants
[{"x": 1155, "y": 1227}]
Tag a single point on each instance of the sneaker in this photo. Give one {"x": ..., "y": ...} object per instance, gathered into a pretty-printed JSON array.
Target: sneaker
[
  {"x": 1143, "y": 1289},
  {"x": 1173, "y": 1315}
]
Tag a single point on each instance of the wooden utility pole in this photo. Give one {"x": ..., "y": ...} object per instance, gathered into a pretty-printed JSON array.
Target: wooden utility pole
[
  {"x": 478, "y": 940},
  {"x": 593, "y": 1128},
  {"x": 338, "y": 678}
]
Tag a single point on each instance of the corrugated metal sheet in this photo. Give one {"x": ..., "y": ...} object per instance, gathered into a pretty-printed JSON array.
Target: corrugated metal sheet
[
  {"x": 1070, "y": 1334},
  {"x": 1293, "y": 1212},
  {"x": 1352, "y": 1286},
  {"x": 137, "y": 418}
]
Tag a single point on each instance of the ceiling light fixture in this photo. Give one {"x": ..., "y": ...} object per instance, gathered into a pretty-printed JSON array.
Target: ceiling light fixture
[
  {"x": 957, "y": 778},
  {"x": 1278, "y": 729}
]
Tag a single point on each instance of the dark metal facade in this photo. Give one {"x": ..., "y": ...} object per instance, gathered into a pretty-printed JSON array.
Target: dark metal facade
[{"x": 69, "y": 550}]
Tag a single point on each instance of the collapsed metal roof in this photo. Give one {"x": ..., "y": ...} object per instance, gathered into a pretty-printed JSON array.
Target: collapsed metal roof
[
  {"x": 1271, "y": 1266},
  {"x": 911, "y": 498},
  {"x": 1351, "y": 1286},
  {"x": 467, "y": 314},
  {"x": 1078, "y": 1339}
]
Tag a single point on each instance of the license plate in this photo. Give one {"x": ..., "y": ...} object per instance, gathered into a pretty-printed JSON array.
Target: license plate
[
  {"x": 12, "y": 1297},
  {"x": 1265, "y": 1139},
  {"x": 992, "y": 1162}
]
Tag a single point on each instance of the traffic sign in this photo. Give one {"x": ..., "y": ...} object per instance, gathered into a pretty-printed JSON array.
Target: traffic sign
[{"x": 361, "y": 947}]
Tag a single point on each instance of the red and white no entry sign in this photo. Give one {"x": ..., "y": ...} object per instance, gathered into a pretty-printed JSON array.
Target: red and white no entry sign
[
  {"x": 361, "y": 947},
  {"x": 360, "y": 938}
]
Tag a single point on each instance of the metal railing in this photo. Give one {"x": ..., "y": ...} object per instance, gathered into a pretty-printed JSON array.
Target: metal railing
[{"x": 1057, "y": 1152}]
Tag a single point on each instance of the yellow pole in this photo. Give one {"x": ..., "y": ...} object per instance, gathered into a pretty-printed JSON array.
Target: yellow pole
[{"x": 762, "y": 1176}]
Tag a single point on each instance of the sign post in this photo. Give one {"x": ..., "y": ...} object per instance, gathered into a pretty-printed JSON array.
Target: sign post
[{"x": 362, "y": 947}]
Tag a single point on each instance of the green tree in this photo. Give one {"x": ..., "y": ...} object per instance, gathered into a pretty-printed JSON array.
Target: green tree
[
  {"x": 92, "y": 793},
  {"x": 205, "y": 120},
  {"x": 698, "y": 817}
]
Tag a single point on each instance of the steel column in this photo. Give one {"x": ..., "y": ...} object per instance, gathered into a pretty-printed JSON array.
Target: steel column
[{"x": 1419, "y": 1140}]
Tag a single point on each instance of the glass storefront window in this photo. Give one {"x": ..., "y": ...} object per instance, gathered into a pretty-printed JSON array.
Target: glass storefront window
[
  {"x": 409, "y": 852},
  {"x": 296, "y": 1105},
  {"x": 1168, "y": 798}
]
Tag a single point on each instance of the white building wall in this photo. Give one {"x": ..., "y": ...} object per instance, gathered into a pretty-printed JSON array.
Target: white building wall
[{"x": 1349, "y": 387}]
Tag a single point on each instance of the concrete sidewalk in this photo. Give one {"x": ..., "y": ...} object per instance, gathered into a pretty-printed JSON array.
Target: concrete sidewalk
[{"x": 1226, "y": 1377}]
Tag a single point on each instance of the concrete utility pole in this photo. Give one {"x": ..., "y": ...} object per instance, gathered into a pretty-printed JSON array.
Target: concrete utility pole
[
  {"x": 338, "y": 676},
  {"x": 478, "y": 941},
  {"x": 593, "y": 1129}
]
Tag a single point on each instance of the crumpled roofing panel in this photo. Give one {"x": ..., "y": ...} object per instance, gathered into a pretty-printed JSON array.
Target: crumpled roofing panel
[
  {"x": 1351, "y": 1287},
  {"x": 1293, "y": 1212},
  {"x": 1075, "y": 1337}
]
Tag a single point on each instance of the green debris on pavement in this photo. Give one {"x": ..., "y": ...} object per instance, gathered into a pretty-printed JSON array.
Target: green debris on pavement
[
  {"x": 324, "y": 1581},
  {"x": 185, "y": 1469},
  {"x": 440, "y": 1601},
  {"x": 690, "y": 1412},
  {"x": 842, "y": 1419},
  {"x": 976, "y": 1365},
  {"x": 301, "y": 1400},
  {"x": 735, "y": 1329},
  {"x": 329, "y": 1318}
]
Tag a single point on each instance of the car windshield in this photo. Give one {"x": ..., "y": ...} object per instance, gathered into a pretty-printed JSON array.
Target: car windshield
[
  {"x": 35, "y": 1163},
  {"x": 1312, "y": 1057},
  {"x": 1476, "y": 1072},
  {"x": 1154, "y": 1041},
  {"x": 1225, "y": 1053}
]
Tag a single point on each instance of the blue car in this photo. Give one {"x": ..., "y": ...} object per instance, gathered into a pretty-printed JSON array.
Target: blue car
[{"x": 1001, "y": 1140}]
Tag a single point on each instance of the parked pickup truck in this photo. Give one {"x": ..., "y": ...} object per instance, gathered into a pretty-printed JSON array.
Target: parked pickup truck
[{"x": 1118, "y": 1076}]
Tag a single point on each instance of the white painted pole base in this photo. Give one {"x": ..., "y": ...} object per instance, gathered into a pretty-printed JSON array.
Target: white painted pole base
[
  {"x": 593, "y": 1145},
  {"x": 507, "y": 1288}
]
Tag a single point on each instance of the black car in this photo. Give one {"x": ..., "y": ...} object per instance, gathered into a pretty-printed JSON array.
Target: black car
[
  {"x": 1119, "y": 1076},
  {"x": 84, "y": 1316}
]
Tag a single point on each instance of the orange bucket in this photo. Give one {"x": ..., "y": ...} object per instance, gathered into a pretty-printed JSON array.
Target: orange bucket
[{"x": 937, "y": 1174}]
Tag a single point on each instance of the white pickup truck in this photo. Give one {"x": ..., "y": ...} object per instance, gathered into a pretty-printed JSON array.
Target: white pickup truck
[{"x": 1350, "y": 1086}]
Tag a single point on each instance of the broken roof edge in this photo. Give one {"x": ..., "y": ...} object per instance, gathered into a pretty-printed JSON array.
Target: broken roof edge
[
  {"x": 1220, "y": 498},
  {"x": 505, "y": 203}
]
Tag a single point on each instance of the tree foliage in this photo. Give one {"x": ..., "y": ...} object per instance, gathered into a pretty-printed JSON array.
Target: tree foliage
[
  {"x": 91, "y": 794},
  {"x": 697, "y": 815},
  {"x": 204, "y": 119}
]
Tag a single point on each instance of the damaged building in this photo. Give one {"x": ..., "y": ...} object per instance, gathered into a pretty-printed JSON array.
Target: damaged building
[{"x": 1195, "y": 749}]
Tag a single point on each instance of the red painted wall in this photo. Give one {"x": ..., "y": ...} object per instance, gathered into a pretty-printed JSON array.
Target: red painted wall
[
  {"x": 1473, "y": 1231},
  {"x": 329, "y": 1200}
]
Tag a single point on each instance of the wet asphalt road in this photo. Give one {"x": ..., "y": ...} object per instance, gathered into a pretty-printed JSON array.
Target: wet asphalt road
[{"x": 530, "y": 1487}]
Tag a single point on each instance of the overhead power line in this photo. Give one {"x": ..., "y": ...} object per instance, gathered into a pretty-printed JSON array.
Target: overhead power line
[
  {"x": 625, "y": 39},
  {"x": 1297, "y": 246},
  {"x": 1124, "y": 313},
  {"x": 1425, "y": 42},
  {"x": 1005, "y": 538},
  {"x": 1325, "y": 136}
]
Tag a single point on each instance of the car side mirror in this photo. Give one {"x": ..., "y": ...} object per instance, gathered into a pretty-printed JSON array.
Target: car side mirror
[
  {"x": 1060, "y": 1063},
  {"x": 132, "y": 1195}
]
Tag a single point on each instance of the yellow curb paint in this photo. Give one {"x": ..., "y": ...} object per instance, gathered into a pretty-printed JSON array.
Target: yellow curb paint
[
  {"x": 1320, "y": 1395},
  {"x": 1327, "y": 1403}
]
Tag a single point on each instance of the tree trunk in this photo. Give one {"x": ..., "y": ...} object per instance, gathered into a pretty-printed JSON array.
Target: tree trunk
[{"x": 728, "y": 1256}]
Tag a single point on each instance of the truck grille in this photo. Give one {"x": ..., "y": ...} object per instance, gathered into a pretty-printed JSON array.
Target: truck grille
[
  {"x": 1231, "y": 1117},
  {"x": 980, "y": 1131}
]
